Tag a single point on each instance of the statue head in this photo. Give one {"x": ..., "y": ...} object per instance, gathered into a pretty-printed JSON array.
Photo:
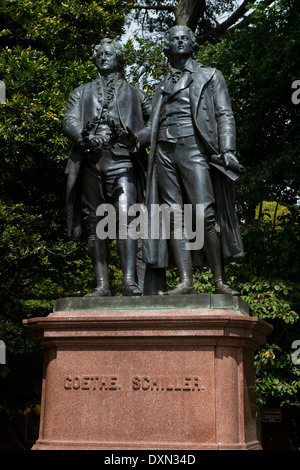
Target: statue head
[
  {"x": 109, "y": 57},
  {"x": 194, "y": 47}
]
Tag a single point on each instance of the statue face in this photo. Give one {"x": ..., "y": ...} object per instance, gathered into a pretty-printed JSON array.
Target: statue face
[
  {"x": 106, "y": 60},
  {"x": 180, "y": 44}
]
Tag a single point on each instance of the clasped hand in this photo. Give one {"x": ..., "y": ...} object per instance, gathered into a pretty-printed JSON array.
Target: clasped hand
[
  {"x": 228, "y": 158},
  {"x": 128, "y": 139}
]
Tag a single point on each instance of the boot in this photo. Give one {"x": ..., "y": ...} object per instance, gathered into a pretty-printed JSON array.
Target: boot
[
  {"x": 128, "y": 256},
  {"x": 183, "y": 262},
  {"x": 212, "y": 250},
  {"x": 99, "y": 253},
  {"x": 222, "y": 287}
]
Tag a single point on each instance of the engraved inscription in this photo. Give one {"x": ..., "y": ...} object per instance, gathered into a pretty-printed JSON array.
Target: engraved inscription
[
  {"x": 92, "y": 382},
  {"x": 168, "y": 383}
]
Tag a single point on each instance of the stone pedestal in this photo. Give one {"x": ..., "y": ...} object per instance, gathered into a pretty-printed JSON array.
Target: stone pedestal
[{"x": 152, "y": 372}]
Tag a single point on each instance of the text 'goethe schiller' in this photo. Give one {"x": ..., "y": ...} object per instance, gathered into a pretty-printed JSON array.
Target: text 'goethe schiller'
[{"x": 136, "y": 383}]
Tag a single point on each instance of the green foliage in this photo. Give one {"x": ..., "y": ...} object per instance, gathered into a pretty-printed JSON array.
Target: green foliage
[
  {"x": 63, "y": 30},
  {"x": 271, "y": 300},
  {"x": 146, "y": 61},
  {"x": 46, "y": 50},
  {"x": 277, "y": 376},
  {"x": 270, "y": 211},
  {"x": 260, "y": 63}
]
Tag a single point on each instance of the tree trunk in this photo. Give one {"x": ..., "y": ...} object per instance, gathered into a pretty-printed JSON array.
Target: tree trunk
[{"x": 188, "y": 12}]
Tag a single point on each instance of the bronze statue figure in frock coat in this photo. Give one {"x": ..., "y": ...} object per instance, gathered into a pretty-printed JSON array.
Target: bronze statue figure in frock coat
[
  {"x": 101, "y": 169},
  {"x": 191, "y": 123}
]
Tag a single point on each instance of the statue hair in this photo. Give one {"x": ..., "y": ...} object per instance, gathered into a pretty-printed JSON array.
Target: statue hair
[{"x": 118, "y": 50}]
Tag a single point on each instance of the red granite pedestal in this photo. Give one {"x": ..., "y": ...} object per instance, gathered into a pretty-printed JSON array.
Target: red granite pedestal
[{"x": 145, "y": 373}]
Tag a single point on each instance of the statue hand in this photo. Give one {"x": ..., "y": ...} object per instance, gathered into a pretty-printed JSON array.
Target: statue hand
[
  {"x": 229, "y": 158},
  {"x": 94, "y": 144},
  {"x": 128, "y": 138},
  {"x": 95, "y": 140},
  {"x": 231, "y": 162}
]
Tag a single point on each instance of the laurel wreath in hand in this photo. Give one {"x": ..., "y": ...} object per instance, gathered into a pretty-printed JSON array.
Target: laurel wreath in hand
[{"x": 94, "y": 146}]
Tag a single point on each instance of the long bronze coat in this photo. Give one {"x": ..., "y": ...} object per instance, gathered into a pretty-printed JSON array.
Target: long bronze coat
[
  {"x": 214, "y": 120},
  {"x": 84, "y": 104}
]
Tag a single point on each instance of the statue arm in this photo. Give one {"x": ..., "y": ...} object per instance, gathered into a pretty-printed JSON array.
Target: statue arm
[
  {"x": 145, "y": 105},
  {"x": 144, "y": 135},
  {"x": 72, "y": 120},
  {"x": 224, "y": 114}
]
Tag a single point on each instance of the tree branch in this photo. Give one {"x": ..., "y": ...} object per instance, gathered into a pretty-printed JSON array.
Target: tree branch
[
  {"x": 245, "y": 21},
  {"x": 153, "y": 7},
  {"x": 221, "y": 28},
  {"x": 188, "y": 12},
  {"x": 215, "y": 33}
]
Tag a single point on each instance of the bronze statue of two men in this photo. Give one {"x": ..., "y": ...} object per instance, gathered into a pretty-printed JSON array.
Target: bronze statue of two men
[{"x": 190, "y": 130}]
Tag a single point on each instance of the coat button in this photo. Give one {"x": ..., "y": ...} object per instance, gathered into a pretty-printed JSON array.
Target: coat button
[{"x": 204, "y": 107}]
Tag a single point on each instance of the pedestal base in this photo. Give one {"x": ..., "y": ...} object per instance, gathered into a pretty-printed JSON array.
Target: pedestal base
[{"x": 149, "y": 373}]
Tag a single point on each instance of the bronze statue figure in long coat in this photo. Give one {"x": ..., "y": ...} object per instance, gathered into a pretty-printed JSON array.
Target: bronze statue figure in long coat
[
  {"x": 101, "y": 169},
  {"x": 191, "y": 125}
]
